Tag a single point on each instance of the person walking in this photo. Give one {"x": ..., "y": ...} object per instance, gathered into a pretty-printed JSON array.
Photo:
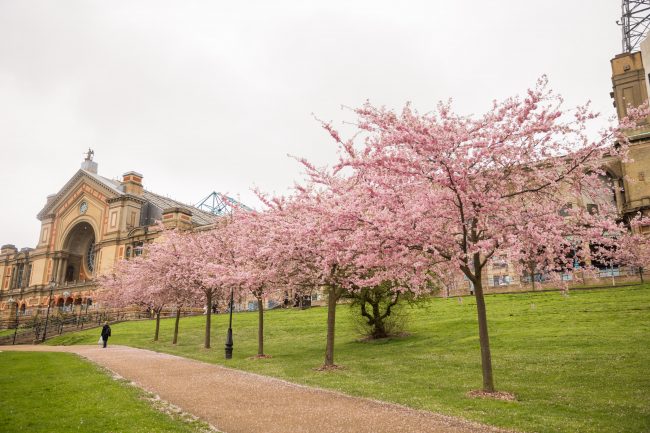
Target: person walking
[{"x": 106, "y": 332}]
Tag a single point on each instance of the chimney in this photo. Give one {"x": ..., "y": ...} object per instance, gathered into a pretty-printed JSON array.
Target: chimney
[
  {"x": 177, "y": 217},
  {"x": 8, "y": 249},
  {"x": 132, "y": 183}
]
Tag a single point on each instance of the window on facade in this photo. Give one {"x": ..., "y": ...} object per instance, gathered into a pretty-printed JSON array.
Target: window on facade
[
  {"x": 19, "y": 274},
  {"x": 526, "y": 277},
  {"x": 138, "y": 247},
  {"x": 12, "y": 278},
  {"x": 592, "y": 209},
  {"x": 128, "y": 252},
  {"x": 28, "y": 275},
  {"x": 609, "y": 272},
  {"x": 90, "y": 257},
  {"x": 566, "y": 209},
  {"x": 501, "y": 280},
  {"x": 500, "y": 263}
]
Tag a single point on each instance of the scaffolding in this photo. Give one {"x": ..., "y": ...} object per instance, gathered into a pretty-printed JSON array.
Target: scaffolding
[
  {"x": 220, "y": 204},
  {"x": 635, "y": 19}
]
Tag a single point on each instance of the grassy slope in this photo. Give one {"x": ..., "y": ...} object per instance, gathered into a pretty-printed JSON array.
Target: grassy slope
[
  {"x": 576, "y": 363},
  {"x": 58, "y": 392}
]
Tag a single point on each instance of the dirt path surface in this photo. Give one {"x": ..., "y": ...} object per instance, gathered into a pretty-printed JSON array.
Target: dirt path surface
[{"x": 238, "y": 402}]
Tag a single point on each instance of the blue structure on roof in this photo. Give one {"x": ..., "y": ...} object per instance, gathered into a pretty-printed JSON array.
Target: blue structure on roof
[{"x": 220, "y": 204}]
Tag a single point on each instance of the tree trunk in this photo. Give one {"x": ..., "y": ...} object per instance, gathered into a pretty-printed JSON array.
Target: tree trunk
[
  {"x": 178, "y": 318},
  {"x": 260, "y": 326},
  {"x": 378, "y": 328},
  {"x": 208, "y": 318},
  {"x": 532, "y": 275},
  {"x": 641, "y": 274},
  {"x": 155, "y": 338},
  {"x": 484, "y": 339},
  {"x": 332, "y": 297}
]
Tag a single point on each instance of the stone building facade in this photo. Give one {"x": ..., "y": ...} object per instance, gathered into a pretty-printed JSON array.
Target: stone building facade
[
  {"x": 630, "y": 180},
  {"x": 86, "y": 227},
  {"x": 630, "y": 87}
]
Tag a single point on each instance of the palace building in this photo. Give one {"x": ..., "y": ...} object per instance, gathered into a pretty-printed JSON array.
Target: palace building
[{"x": 86, "y": 227}]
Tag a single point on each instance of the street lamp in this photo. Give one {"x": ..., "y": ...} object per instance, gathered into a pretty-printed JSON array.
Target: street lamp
[
  {"x": 11, "y": 301},
  {"x": 17, "y": 318},
  {"x": 47, "y": 317},
  {"x": 229, "y": 341},
  {"x": 66, "y": 295}
]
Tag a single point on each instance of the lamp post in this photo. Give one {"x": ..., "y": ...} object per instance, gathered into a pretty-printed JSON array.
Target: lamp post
[
  {"x": 17, "y": 318},
  {"x": 11, "y": 301},
  {"x": 229, "y": 342},
  {"x": 66, "y": 295},
  {"x": 49, "y": 303}
]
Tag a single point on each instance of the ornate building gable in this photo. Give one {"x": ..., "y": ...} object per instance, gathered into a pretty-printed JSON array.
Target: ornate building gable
[
  {"x": 102, "y": 189},
  {"x": 82, "y": 201}
]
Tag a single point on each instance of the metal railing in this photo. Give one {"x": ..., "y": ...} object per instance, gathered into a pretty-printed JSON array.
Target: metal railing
[{"x": 29, "y": 329}]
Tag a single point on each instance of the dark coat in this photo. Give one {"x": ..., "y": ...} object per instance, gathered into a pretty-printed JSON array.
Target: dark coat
[{"x": 106, "y": 332}]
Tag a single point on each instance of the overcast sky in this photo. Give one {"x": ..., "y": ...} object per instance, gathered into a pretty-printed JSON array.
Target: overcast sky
[{"x": 202, "y": 96}]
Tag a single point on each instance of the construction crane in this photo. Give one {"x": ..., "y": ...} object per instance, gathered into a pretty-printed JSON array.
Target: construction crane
[
  {"x": 220, "y": 204},
  {"x": 635, "y": 19}
]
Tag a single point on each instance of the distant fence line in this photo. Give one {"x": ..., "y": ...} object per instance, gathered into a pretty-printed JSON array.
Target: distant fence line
[{"x": 31, "y": 328}]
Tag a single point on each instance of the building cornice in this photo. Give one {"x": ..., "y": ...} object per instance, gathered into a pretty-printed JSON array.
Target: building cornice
[{"x": 126, "y": 197}]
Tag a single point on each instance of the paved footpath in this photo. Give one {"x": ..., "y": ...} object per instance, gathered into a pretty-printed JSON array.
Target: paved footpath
[{"x": 238, "y": 402}]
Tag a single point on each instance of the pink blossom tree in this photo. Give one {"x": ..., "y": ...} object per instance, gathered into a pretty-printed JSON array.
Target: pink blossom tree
[
  {"x": 153, "y": 280},
  {"x": 623, "y": 245},
  {"x": 635, "y": 252},
  {"x": 313, "y": 251},
  {"x": 166, "y": 261},
  {"x": 135, "y": 282},
  {"x": 208, "y": 262},
  {"x": 459, "y": 181},
  {"x": 326, "y": 241},
  {"x": 257, "y": 262}
]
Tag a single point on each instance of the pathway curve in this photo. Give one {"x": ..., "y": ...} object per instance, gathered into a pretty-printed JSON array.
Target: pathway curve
[{"x": 238, "y": 402}]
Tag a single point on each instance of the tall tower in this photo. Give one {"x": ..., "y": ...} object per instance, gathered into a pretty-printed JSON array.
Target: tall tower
[
  {"x": 634, "y": 23},
  {"x": 630, "y": 86}
]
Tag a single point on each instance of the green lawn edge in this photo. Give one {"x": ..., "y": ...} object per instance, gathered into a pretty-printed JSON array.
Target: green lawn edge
[
  {"x": 61, "y": 392},
  {"x": 576, "y": 362}
]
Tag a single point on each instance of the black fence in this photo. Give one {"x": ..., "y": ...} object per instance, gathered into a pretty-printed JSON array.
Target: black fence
[{"x": 30, "y": 329}]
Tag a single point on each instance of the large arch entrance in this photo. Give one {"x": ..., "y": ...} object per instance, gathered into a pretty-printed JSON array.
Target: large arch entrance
[{"x": 79, "y": 247}]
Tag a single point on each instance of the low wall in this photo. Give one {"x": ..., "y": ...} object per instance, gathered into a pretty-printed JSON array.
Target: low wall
[{"x": 579, "y": 282}]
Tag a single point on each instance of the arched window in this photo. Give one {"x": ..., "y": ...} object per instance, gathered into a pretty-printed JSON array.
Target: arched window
[{"x": 90, "y": 257}]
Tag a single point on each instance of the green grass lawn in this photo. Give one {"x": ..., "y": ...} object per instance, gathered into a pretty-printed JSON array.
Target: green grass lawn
[
  {"x": 576, "y": 364},
  {"x": 6, "y": 332},
  {"x": 59, "y": 392}
]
